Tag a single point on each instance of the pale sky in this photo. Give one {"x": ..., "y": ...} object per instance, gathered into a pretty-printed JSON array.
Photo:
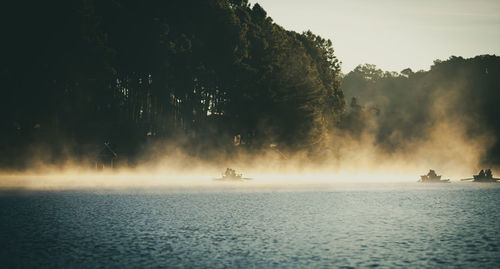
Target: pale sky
[{"x": 395, "y": 34}]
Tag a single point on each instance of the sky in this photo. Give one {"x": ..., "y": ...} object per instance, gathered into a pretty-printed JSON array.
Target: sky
[{"x": 395, "y": 34}]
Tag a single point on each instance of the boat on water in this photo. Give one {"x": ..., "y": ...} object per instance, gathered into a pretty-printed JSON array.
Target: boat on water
[
  {"x": 231, "y": 175},
  {"x": 432, "y": 177},
  {"x": 483, "y": 176}
]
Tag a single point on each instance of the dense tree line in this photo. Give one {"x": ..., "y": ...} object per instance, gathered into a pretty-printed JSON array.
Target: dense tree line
[
  {"x": 207, "y": 75},
  {"x": 212, "y": 78},
  {"x": 405, "y": 107}
]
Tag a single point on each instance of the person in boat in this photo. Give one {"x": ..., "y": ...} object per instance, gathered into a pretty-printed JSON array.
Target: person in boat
[
  {"x": 488, "y": 173},
  {"x": 230, "y": 172},
  {"x": 481, "y": 173}
]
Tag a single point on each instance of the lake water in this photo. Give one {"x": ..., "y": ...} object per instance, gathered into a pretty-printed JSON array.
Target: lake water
[{"x": 389, "y": 225}]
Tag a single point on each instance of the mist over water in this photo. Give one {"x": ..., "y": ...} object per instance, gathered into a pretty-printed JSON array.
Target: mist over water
[
  {"x": 360, "y": 165},
  {"x": 360, "y": 162}
]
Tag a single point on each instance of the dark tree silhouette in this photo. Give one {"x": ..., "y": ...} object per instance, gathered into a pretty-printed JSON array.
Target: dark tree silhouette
[{"x": 195, "y": 73}]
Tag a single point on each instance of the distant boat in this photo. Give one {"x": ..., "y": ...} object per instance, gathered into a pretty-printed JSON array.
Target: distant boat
[
  {"x": 231, "y": 175},
  {"x": 432, "y": 177},
  {"x": 483, "y": 177}
]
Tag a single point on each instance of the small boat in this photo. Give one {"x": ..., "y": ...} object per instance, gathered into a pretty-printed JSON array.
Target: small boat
[
  {"x": 231, "y": 175},
  {"x": 432, "y": 177},
  {"x": 483, "y": 176}
]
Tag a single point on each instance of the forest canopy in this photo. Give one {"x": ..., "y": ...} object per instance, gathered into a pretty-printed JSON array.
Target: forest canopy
[
  {"x": 403, "y": 109},
  {"x": 204, "y": 75},
  {"x": 216, "y": 78}
]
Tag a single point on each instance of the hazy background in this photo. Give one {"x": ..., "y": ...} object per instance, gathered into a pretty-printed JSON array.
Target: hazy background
[{"x": 395, "y": 34}]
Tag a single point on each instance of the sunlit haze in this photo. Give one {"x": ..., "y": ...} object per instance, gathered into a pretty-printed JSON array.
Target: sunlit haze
[{"x": 394, "y": 34}]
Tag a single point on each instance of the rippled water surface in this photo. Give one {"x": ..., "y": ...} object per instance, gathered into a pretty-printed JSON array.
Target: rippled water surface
[{"x": 393, "y": 225}]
